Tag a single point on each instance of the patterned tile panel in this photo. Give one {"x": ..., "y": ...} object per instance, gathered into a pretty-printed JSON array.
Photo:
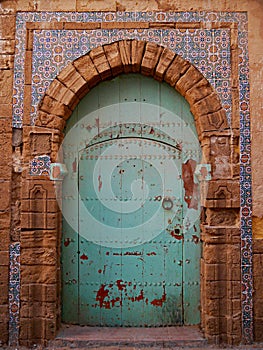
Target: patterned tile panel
[{"x": 14, "y": 293}]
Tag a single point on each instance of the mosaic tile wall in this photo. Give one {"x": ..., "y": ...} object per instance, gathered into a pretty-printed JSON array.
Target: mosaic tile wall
[
  {"x": 14, "y": 293},
  {"x": 208, "y": 49},
  {"x": 40, "y": 165}
]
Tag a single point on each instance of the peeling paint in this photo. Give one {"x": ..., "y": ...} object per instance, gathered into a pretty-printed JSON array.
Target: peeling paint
[
  {"x": 120, "y": 285},
  {"x": 103, "y": 293},
  {"x": 140, "y": 297},
  {"x": 133, "y": 253},
  {"x": 176, "y": 234},
  {"x": 84, "y": 257},
  {"x": 159, "y": 302},
  {"x": 74, "y": 166},
  {"x": 191, "y": 188},
  {"x": 67, "y": 242},
  {"x": 100, "y": 183}
]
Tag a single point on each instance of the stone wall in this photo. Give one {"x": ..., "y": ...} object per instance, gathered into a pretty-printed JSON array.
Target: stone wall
[{"x": 39, "y": 294}]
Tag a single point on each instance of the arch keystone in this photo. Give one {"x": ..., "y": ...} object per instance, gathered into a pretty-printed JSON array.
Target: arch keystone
[{"x": 125, "y": 53}]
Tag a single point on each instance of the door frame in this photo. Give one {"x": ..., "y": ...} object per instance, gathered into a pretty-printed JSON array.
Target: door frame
[{"x": 220, "y": 232}]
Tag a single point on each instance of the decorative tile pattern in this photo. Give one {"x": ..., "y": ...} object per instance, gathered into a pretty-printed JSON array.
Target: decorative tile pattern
[
  {"x": 40, "y": 166},
  {"x": 14, "y": 293},
  {"x": 208, "y": 49},
  {"x": 54, "y": 49}
]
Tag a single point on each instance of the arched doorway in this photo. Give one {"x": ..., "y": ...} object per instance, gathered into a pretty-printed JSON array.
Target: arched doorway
[
  {"x": 131, "y": 247},
  {"x": 218, "y": 141}
]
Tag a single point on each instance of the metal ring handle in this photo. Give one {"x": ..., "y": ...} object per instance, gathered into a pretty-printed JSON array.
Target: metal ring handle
[{"x": 167, "y": 203}]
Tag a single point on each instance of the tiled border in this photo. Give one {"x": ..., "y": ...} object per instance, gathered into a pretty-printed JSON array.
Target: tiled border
[
  {"x": 14, "y": 293},
  {"x": 239, "y": 114},
  {"x": 40, "y": 165}
]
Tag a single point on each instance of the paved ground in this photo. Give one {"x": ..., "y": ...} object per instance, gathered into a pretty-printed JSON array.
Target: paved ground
[
  {"x": 208, "y": 347},
  {"x": 108, "y": 338}
]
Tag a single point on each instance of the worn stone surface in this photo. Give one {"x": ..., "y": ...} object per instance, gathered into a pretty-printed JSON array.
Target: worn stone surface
[
  {"x": 137, "y": 50},
  {"x": 49, "y": 120},
  {"x": 91, "y": 74},
  {"x": 150, "y": 58},
  {"x": 73, "y": 80},
  {"x": 125, "y": 53},
  {"x": 114, "y": 58},
  {"x": 61, "y": 93},
  {"x": 188, "y": 80},
  {"x": 165, "y": 60},
  {"x": 52, "y": 106},
  {"x": 178, "y": 67},
  {"x": 100, "y": 61}
]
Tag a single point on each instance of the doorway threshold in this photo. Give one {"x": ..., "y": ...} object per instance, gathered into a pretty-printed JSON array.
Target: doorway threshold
[{"x": 78, "y": 336}]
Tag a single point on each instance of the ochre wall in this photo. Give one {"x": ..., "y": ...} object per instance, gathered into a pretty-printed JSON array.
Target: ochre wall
[{"x": 9, "y": 153}]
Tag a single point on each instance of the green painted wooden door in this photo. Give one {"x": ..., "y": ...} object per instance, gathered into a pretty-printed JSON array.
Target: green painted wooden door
[{"x": 131, "y": 251}]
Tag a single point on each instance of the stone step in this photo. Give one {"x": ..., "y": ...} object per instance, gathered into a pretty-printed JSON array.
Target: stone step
[{"x": 107, "y": 337}]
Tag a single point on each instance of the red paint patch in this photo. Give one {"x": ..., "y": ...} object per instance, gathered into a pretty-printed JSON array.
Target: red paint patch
[
  {"x": 114, "y": 301},
  {"x": 152, "y": 253},
  {"x": 103, "y": 293},
  {"x": 133, "y": 253},
  {"x": 152, "y": 131},
  {"x": 191, "y": 188},
  {"x": 174, "y": 235},
  {"x": 74, "y": 166},
  {"x": 159, "y": 302},
  {"x": 120, "y": 285},
  {"x": 138, "y": 298},
  {"x": 100, "y": 183},
  {"x": 83, "y": 257},
  {"x": 67, "y": 242},
  {"x": 99, "y": 271}
]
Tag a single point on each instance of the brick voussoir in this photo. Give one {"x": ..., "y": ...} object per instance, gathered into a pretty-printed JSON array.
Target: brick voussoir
[
  {"x": 101, "y": 63},
  {"x": 87, "y": 70},
  {"x": 51, "y": 106},
  {"x": 137, "y": 52},
  {"x": 163, "y": 64},
  {"x": 125, "y": 53},
  {"x": 150, "y": 58},
  {"x": 188, "y": 80},
  {"x": 72, "y": 79},
  {"x": 61, "y": 93},
  {"x": 198, "y": 91},
  {"x": 177, "y": 68},
  {"x": 207, "y": 105},
  {"x": 114, "y": 58},
  {"x": 50, "y": 120}
]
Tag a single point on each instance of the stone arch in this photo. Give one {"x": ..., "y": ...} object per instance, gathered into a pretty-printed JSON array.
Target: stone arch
[
  {"x": 108, "y": 61},
  {"x": 221, "y": 297}
]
